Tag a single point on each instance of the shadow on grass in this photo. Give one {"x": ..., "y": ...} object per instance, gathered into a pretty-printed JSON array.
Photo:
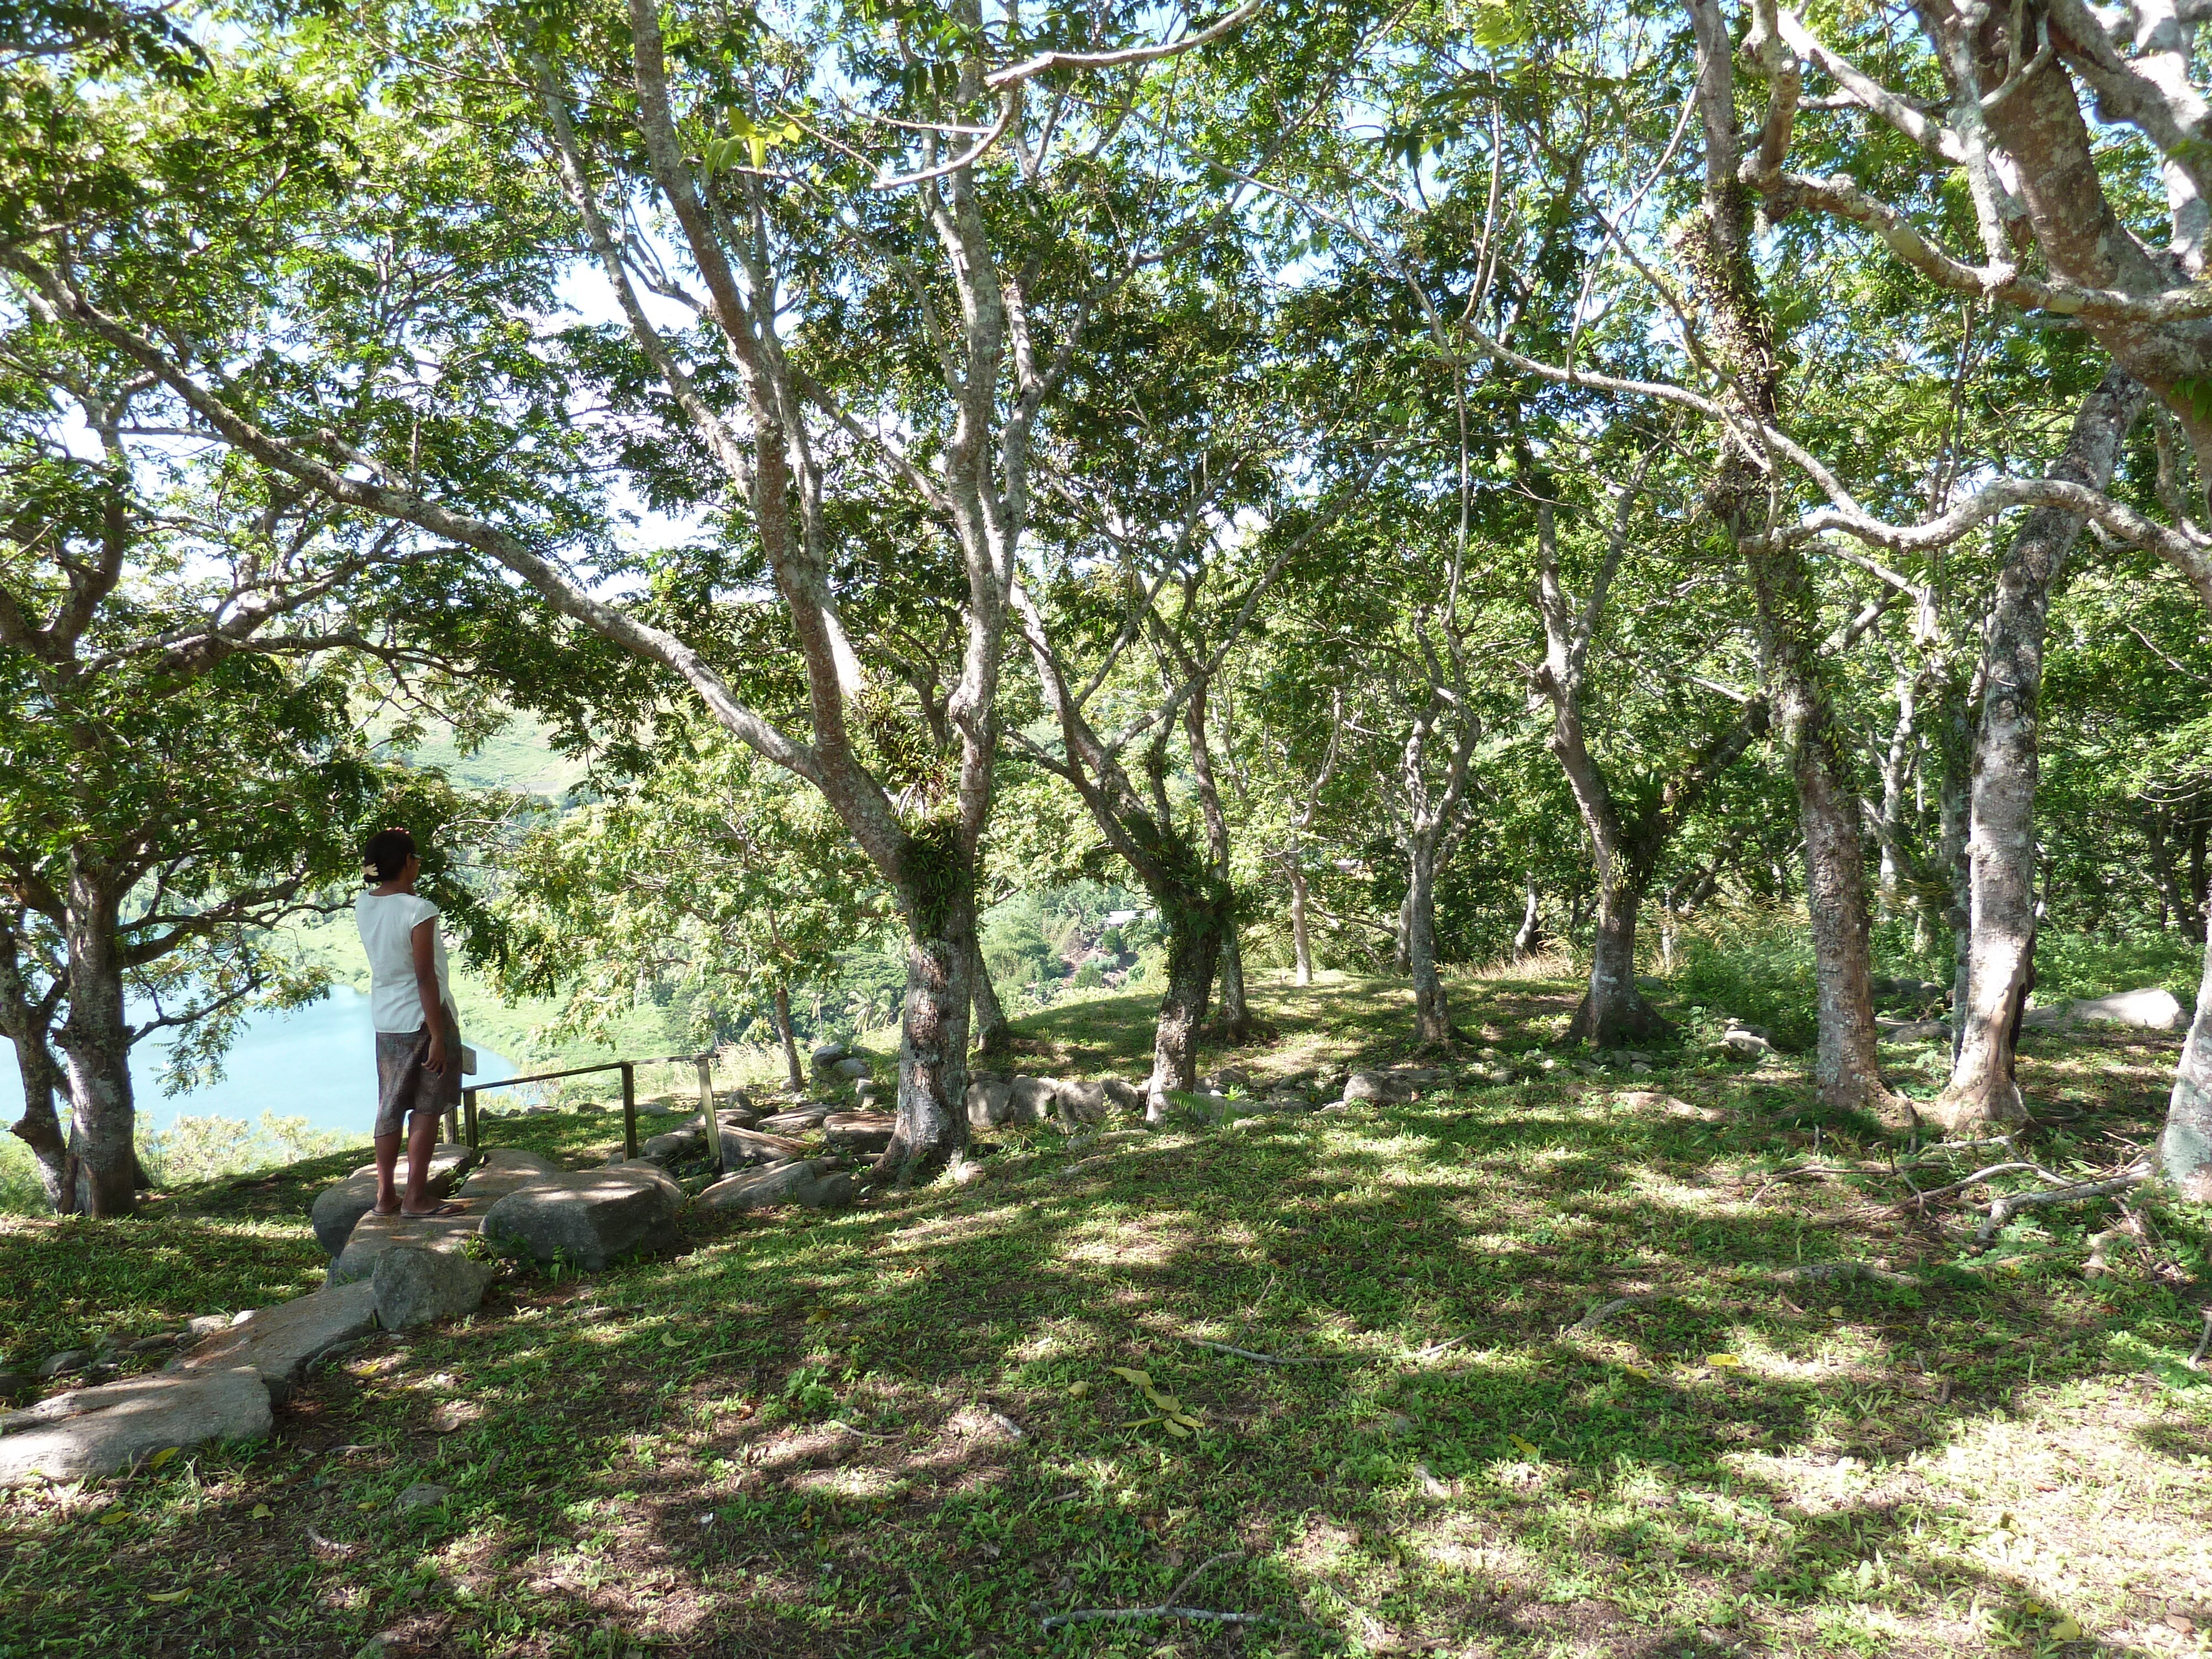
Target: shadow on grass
[{"x": 896, "y": 1430}]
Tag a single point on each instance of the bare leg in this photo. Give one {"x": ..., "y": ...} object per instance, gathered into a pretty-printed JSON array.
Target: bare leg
[
  {"x": 422, "y": 1141},
  {"x": 387, "y": 1156}
]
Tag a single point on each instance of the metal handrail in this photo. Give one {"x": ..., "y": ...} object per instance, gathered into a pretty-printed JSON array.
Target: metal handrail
[{"x": 629, "y": 1070}]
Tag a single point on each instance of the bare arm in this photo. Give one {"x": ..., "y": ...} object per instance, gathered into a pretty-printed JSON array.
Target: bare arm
[{"x": 423, "y": 938}]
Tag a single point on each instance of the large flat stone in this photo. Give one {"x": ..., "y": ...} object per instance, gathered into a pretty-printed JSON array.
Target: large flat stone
[
  {"x": 339, "y": 1207},
  {"x": 277, "y": 1343},
  {"x": 590, "y": 1218},
  {"x": 858, "y": 1132},
  {"x": 794, "y": 1121},
  {"x": 89, "y": 1433},
  {"x": 375, "y": 1234},
  {"x": 810, "y": 1182},
  {"x": 504, "y": 1169},
  {"x": 753, "y": 1146},
  {"x": 990, "y": 1101},
  {"x": 2152, "y": 1009}
]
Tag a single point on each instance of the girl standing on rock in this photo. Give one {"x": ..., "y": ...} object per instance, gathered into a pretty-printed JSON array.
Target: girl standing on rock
[{"x": 418, "y": 1039}]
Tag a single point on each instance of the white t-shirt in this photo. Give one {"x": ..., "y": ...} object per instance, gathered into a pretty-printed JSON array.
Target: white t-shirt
[{"x": 386, "y": 922}]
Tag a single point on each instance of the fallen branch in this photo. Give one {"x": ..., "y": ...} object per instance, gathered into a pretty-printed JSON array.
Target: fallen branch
[
  {"x": 1169, "y": 1608},
  {"x": 1920, "y": 1200},
  {"x": 1267, "y": 1358},
  {"x": 2196, "y": 1359},
  {"x": 1444, "y": 1346},
  {"x": 2004, "y": 1209}
]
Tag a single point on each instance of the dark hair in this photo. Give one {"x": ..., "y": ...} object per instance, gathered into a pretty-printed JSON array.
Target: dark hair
[{"x": 385, "y": 856}]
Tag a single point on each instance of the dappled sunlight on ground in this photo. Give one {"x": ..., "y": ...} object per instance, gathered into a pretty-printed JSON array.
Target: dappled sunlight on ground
[{"x": 918, "y": 1427}]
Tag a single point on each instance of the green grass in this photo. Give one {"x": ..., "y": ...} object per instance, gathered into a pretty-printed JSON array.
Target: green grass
[{"x": 787, "y": 1439}]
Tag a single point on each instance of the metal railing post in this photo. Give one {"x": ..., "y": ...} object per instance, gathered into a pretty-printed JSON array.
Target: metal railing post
[
  {"x": 713, "y": 1123},
  {"x": 630, "y": 1109},
  {"x": 469, "y": 1115}
]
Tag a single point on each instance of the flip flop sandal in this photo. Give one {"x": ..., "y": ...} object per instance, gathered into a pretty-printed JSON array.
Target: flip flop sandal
[{"x": 424, "y": 1215}]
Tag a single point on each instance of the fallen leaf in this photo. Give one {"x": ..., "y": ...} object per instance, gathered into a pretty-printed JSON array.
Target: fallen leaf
[
  {"x": 2066, "y": 1630},
  {"x": 1078, "y": 1391},
  {"x": 114, "y": 1517},
  {"x": 160, "y": 1457},
  {"x": 1526, "y": 1447},
  {"x": 1637, "y": 1371},
  {"x": 819, "y": 1317},
  {"x": 1723, "y": 1361},
  {"x": 1142, "y": 1379},
  {"x": 1177, "y": 1430},
  {"x": 167, "y": 1596},
  {"x": 670, "y": 1340},
  {"x": 261, "y": 1512}
]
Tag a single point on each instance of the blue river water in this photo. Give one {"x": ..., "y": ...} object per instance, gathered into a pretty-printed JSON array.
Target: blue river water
[{"x": 318, "y": 1062}]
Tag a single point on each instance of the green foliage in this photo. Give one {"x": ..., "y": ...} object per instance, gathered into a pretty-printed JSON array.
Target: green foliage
[
  {"x": 195, "y": 1150},
  {"x": 1754, "y": 966}
]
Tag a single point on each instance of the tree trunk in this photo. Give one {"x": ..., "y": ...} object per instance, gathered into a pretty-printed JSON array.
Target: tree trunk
[
  {"x": 1715, "y": 245},
  {"x": 1613, "y": 1012},
  {"x": 1194, "y": 931},
  {"x": 936, "y": 899},
  {"x": 1294, "y": 871},
  {"x": 1432, "y": 1027},
  {"x": 1896, "y": 773},
  {"x": 39, "y": 1127},
  {"x": 95, "y": 1042},
  {"x": 1531, "y": 934},
  {"x": 993, "y": 1036},
  {"x": 2001, "y": 840},
  {"x": 2184, "y": 1148},
  {"x": 1236, "y": 1014},
  {"x": 790, "y": 1038}
]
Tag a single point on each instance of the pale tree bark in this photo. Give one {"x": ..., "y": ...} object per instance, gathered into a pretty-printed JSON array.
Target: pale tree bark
[
  {"x": 1530, "y": 934},
  {"x": 1624, "y": 849},
  {"x": 26, "y": 1018},
  {"x": 2001, "y": 841},
  {"x": 1290, "y": 856},
  {"x": 1715, "y": 244},
  {"x": 95, "y": 1044},
  {"x": 2185, "y": 1145},
  {"x": 1427, "y": 817},
  {"x": 993, "y": 1032},
  {"x": 795, "y": 1073}
]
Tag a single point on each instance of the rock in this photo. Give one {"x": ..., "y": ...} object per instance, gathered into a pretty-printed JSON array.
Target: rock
[
  {"x": 810, "y": 1182},
  {"x": 1290, "y": 1100},
  {"x": 413, "y": 1286},
  {"x": 1745, "y": 1045},
  {"x": 153, "y": 1343},
  {"x": 2152, "y": 1009},
  {"x": 990, "y": 1101},
  {"x": 744, "y": 1146},
  {"x": 1917, "y": 1031},
  {"x": 504, "y": 1169},
  {"x": 375, "y": 1234},
  {"x": 1081, "y": 1100},
  {"x": 1129, "y": 1096},
  {"x": 1033, "y": 1099},
  {"x": 870, "y": 1092},
  {"x": 675, "y": 1145},
  {"x": 590, "y": 1218},
  {"x": 62, "y": 1363},
  {"x": 1367, "y": 1086},
  {"x": 851, "y": 1067},
  {"x": 828, "y": 1055},
  {"x": 87, "y": 1434},
  {"x": 277, "y": 1343},
  {"x": 859, "y": 1132},
  {"x": 422, "y": 1494},
  {"x": 2046, "y": 1019},
  {"x": 16, "y": 1387},
  {"x": 796, "y": 1120},
  {"x": 206, "y": 1325},
  {"x": 1228, "y": 1078},
  {"x": 338, "y": 1209}
]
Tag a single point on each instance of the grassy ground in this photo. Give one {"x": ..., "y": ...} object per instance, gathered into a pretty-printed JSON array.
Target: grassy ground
[{"x": 912, "y": 1427}]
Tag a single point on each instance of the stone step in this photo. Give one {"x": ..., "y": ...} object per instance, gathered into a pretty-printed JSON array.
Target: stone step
[
  {"x": 277, "y": 1343},
  {"x": 87, "y": 1434},
  {"x": 337, "y": 1208}
]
